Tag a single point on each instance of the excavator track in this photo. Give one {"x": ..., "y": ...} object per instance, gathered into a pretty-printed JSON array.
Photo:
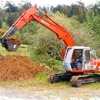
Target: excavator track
[
  {"x": 75, "y": 80},
  {"x": 84, "y": 79},
  {"x": 53, "y": 78}
]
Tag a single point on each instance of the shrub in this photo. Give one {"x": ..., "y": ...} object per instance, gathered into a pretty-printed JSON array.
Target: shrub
[{"x": 2, "y": 32}]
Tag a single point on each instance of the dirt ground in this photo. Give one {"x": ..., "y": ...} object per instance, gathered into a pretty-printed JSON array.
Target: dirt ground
[
  {"x": 40, "y": 93},
  {"x": 17, "y": 67}
]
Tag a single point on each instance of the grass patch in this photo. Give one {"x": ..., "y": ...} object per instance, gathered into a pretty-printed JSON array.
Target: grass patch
[
  {"x": 92, "y": 85},
  {"x": 39, "y": 82}
]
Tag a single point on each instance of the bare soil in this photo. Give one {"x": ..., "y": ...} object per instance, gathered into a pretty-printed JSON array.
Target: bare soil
[
  {"x": 40, "y": 93},
  {"x": 16, "y": 67}
]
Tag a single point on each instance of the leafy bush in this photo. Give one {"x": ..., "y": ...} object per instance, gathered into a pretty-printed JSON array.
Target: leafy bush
[
  {"x": 56, "y": 65},
  {"x": 2, "y": 31},
  {"x": 46, "y": 43}
]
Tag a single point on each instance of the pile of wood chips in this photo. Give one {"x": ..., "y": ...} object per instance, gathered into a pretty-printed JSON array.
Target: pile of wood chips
[{"x": 16, "y": 67}]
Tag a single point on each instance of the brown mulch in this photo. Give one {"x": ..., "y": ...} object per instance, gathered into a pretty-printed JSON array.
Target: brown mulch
[
  {"x": 17, "y": 67},
  {"x": 14, "y": 39}
]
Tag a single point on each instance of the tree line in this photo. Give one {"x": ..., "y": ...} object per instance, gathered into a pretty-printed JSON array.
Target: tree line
[{"x": 79, "y": 12}]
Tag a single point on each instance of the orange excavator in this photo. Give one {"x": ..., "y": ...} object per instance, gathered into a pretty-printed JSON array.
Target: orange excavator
[{"x": 78, "y": 72}]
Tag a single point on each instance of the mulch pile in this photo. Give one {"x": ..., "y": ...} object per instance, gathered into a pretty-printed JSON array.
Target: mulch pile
[
  {"x": 16, "y": 67},
  {"x": 14, "y": 39}
]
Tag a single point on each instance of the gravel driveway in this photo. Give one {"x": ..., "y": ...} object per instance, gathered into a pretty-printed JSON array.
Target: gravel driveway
[{"x": 38, "y": 93}]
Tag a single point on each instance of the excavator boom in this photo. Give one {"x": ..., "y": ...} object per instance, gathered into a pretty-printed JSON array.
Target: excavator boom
[{"x": 31, "y": 14}]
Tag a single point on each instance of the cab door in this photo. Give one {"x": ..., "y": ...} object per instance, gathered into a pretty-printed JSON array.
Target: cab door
[
  {"x": 93, "y": 59},
  {"x": 90, "y": 60}
]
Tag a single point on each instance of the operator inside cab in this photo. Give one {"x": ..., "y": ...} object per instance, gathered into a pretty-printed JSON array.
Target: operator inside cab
[{"x": 76, "y": 63}]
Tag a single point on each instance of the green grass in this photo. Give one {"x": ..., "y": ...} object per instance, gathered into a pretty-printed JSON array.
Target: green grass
[
  {"x": 40, "y": 82},
  {"x": 92, "y": 85}
]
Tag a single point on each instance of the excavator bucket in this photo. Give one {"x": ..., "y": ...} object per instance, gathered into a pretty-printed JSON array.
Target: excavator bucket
[
  {"x": 11, "y": 43},
  {"x": 11, "y": 46}
]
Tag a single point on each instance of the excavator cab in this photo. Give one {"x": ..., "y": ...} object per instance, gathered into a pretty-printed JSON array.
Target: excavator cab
[{"x": 87, "y": 61}]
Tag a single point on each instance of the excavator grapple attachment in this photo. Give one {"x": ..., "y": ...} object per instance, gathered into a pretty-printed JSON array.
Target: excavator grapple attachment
[{"x": 11, "y": 43}]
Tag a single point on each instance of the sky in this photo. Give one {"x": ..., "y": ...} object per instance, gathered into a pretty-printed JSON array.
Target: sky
[{"x": 52, "y": 2}]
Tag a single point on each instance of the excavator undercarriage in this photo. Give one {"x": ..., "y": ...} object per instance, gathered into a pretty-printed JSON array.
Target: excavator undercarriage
[{"x": 76, "y": 80}]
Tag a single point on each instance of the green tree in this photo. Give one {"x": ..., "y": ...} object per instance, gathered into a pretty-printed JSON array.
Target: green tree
[
  {"x": 78, "y": 11},
  {"x": 11, "y": 7},
  {"x": 93, "y": 18},
  {"x": 24, "y": 5},
  {"x": 62, "y": 9},
  {"x": 2, "y": 17},
  {"x": 11, "y": 18}
]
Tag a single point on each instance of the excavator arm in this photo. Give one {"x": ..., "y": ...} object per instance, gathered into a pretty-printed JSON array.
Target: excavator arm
[{"x": 31, "y": 14}]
